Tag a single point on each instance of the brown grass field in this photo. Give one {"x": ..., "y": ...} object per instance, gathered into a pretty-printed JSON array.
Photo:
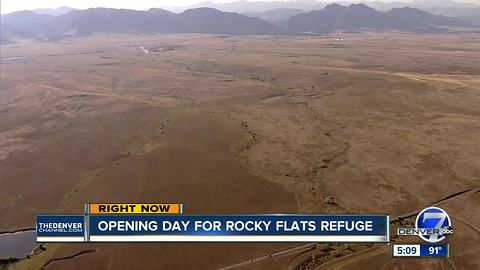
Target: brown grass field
[{"x": 373, "y": 123}]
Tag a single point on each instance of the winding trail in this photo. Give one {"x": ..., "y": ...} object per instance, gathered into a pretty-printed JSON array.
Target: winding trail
[
  {"x": 83, "y": 252},
  {"x": 19, "y": 230},
  {"x": 473, "y": 227},
  {"x": 339, "y": 263},
  {"x": 300, "y": 248}
]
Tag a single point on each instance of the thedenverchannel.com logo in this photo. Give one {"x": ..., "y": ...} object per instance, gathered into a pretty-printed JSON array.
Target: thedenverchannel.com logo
[{"x": 432, "y": 225}]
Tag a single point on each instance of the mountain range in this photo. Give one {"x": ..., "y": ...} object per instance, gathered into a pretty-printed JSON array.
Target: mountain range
[
  {"x": 466, "y": 11},
  {"x": 360, "y": 16},
  {"x": 243, "y": 6},
  {"x": 29, "y": 24}
]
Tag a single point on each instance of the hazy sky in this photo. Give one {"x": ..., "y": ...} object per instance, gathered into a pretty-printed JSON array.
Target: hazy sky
[{"x": 8, "y": 6}]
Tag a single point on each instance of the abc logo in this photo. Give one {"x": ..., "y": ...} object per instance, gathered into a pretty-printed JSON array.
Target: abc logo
[
  {"x": 447, "y": 230},
  {"x": 435, "y": 224}
]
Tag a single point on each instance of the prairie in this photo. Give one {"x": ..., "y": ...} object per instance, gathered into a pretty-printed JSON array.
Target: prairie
[{"x": 365, "y": 123}]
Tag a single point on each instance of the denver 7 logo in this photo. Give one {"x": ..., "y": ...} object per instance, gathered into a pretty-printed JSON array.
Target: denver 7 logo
[{"x": 433, "y": 218}]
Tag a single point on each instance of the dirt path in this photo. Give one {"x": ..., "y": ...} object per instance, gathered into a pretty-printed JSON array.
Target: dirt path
[{"x": 352, "y": 258}]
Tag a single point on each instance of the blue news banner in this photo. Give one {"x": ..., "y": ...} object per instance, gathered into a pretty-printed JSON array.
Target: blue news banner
[{"x": 213, "y": 228}]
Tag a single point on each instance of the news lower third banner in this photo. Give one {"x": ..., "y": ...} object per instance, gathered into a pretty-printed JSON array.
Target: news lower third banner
[{"x": 212, "y": 228}]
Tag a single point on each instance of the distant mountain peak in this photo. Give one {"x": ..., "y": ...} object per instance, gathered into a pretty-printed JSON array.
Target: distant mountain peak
[
  {"x": 54, "y": 11},
  {"x": 334, "y": 6},
  {"x": 360, "y": 6}
]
